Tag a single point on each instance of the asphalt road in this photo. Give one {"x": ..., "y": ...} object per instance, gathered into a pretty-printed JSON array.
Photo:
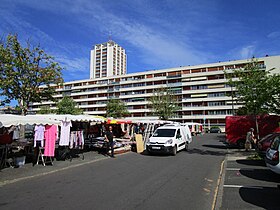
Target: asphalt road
[
  {"x": 249, "y": 184},
  {"x": 130, "y": 181}
]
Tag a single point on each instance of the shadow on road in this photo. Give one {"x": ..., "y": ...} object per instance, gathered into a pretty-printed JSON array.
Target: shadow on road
[
  {"x": 265, "y": 197},
  {"x": 215, "y": 146},
  {"x": 251, "y": 162},
  {"x": 206, "y": 152},
  {"x": 261, "y": 174}
]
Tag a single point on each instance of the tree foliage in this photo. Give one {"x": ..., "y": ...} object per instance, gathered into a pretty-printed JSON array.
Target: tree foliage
[
  {"x": 163, "y": 104},
  {"x": 68, "y": 106},
  {"x": 45, "y": 110},
  {"x": 256, "y": 88},
  {"x": 23, "y": 69},
  {"x": 116, "y": 109}
]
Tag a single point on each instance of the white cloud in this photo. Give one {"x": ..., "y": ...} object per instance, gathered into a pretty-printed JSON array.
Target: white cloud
[
  {"x": 247, "y": 51},
  {"x": 155, "y": 45},
  {"x": 273, "y": 35},
  {"x": 64, "y": 53},
  {"x": 73, "y": 64}
]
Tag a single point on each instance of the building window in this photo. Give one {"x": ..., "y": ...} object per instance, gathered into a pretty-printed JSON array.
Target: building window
[
  {"x": 216, "y": 103},
  {"x": 221, "y": 94}
]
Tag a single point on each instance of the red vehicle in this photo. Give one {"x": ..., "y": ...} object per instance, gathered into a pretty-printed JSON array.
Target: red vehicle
[{"x": 238, "y": 126}]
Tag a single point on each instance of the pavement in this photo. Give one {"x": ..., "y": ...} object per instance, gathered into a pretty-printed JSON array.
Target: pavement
[
  {"x": 247, "y": 184},
  {"x": 28, "y": 171}
]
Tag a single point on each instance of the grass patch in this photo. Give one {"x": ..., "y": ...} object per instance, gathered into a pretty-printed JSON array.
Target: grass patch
[{"x": 255, "y": 156}]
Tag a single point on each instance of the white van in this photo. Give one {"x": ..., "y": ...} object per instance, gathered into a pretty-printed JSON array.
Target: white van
[{"x": 169, "y": 139}]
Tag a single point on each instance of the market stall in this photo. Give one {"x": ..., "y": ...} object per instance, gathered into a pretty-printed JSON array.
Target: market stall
[
  {"x": 42, "y": 135},
  {"x": 15, "y": 142}
]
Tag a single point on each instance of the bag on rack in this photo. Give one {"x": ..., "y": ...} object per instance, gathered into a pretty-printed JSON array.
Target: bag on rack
[{"x": 62, "y": 154}]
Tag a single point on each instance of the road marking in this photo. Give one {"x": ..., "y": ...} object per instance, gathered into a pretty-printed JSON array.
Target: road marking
[
  {"x": 238, "y": 169},
  {"x": 206, "y": 190},
  {"x": 218, "y": 184},
  {"x": 233, "y": 169},
  {"x": 208, "y": 180},
  {"x": 242, "y": 186}
]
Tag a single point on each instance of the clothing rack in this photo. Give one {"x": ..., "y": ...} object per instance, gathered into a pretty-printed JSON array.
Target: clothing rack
[
  {"x": 41, "y": 157},
  {"x": 148, "y": 132},
  {"x": 4, "y": 160}
]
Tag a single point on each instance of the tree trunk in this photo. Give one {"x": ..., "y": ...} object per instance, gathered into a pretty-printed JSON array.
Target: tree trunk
[{"x": 257, "y": 127}]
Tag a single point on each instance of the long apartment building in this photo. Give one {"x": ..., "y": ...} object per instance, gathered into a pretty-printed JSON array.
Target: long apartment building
[
  {"x": 201, "y": 91},
  {"x": 107, "y": 59}
]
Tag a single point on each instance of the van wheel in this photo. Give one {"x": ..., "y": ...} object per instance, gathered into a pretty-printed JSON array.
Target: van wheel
[
  {"x": 186, "y": 146},
  {"x": 174, "y": 150}
]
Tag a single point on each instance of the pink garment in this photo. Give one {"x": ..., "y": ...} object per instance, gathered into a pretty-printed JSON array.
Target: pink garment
[{"x": 50, "y": 138}]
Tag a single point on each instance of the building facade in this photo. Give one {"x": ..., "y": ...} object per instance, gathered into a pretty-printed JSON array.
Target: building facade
[
  {"x": 201, "y": 91},
  {"x": 107, "y": 59}
]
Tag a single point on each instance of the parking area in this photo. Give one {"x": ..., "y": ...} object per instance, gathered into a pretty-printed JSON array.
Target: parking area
[{"x": 248, "y": 184}]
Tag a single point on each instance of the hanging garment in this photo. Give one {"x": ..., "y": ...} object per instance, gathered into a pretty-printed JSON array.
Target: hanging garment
[
  {"x": 80, "y": 139},
  {"x": 50, "y": 138},
  {"x": 65, "y": 133},
  {"x": 73, "y": 139},
  {"x": 39, "y": 134},
  {"x": 16, "y": 133}
]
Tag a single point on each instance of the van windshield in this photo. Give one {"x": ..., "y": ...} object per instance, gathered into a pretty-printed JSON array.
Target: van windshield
[{"x": 164, "y": 133}]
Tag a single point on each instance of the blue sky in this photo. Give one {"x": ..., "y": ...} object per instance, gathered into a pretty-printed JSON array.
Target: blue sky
[{"x": 155, "y": 33}]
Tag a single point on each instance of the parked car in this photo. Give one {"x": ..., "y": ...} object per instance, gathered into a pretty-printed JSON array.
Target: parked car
[
  {"x": 169, "y": 139},
  {"x": 265, "y": 142},
  {"x": 272, "y": 155},
  {"x": 215, "y": 130}
]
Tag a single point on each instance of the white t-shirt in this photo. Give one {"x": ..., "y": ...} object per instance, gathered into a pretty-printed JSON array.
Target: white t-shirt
[
  {"x": 65, "y": 133},
  {"x": 39, "y": 132}
]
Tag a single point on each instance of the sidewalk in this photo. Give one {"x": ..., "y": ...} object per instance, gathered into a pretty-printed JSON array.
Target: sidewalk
[
  {"x": 12, "y": 175},
  {"x": 247, "y": 184}
]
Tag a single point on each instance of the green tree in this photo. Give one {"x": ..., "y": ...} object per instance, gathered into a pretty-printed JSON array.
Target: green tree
[
  {"x": 23, "y": 70},
  {"x": 273, "y": 91},
  {"x": 45, "y": 110},
  {"x": 68, "y": 106},
  {"x": 116, "y": 109},
  {"x": 163, "y": 103},
  {"x": 256, "y": 88}
]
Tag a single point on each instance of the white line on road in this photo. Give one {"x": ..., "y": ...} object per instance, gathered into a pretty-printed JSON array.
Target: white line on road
[
  {"x": 233, "y": 169},
  {"x": 238, "y": 169},
  {"x": 242, "y": 186}
]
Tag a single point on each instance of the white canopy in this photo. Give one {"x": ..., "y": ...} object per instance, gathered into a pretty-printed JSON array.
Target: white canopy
[
  {"x": 69, "y": 117},
  {"x": 8, "y": 120},
  {"x": 152, "y": 121}
]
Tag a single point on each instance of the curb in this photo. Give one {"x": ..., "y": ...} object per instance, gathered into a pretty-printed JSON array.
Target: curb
[{"x": 217, "y": 202}]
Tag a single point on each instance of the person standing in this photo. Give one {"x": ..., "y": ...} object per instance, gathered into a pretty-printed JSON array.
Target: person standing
[
  {"x": 109, "y": 137},
  {"x": 250, "y": 140}
]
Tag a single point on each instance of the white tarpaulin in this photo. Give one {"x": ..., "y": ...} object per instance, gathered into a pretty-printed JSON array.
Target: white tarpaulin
[
  {"x": 69, "y": 117},
  {"x": 8, "y": 120}
]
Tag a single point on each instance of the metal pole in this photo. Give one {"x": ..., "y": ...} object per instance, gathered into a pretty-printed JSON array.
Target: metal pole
[{"x": 232, "y": 106}]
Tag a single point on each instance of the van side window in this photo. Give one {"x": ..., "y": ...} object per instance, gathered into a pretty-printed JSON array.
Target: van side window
[{"x": 178, "y": 134}]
